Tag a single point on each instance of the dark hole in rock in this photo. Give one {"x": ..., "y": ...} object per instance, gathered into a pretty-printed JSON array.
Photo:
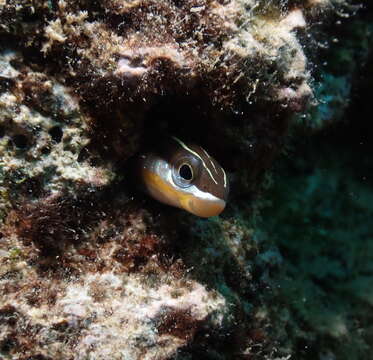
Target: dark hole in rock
[
  {"x": 29, "y": 16},
  {"x": 192, "y": 112},
  {"x": 178, "y": 3},
  {"x": 32, "y": 187},
  {"x": 83, "y": 155},
  {"x": 16, "y": 63},
  {"x": 45, "y": 150},
  {"x": 56, "y": 134},
  {"x": 8, "y": 344},
  {"x": 2, "y": 131},
  {"x": 5, "y": 84},
  {"x": 95, "y": 161},
  {"x": 20, "y": 141}
]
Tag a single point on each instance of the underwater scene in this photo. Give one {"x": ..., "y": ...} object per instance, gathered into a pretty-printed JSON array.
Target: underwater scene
[{"x": 186, "y": 179}]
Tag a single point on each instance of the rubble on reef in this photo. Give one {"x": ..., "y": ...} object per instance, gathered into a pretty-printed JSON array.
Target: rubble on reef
[
  {"x": 91, "y": 269},
  {"x": 84, "y": 282}
]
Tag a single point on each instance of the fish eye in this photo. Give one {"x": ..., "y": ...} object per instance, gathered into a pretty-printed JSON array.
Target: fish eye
[{"x": 186, "y": 172}]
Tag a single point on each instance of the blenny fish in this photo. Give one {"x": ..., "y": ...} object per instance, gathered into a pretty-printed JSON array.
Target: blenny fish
[{"x": 185, "y": 176}]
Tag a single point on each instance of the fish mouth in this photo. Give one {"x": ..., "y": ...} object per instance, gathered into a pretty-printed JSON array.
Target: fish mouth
[
  {"x": 199, "y": 203},
  {"x": 206, "y": 208}
]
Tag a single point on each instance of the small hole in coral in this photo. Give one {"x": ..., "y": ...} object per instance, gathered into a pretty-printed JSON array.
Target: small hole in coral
[
  {"x": 2, "y": 131},
  {"x": 178, "y": 3},
  {"x": 56, "y": 134},
  {"x": 83, "y": 155},
  {"x": 45, "y": 150},
  {"x": 95, "y": 161},
  {"x": 20, "y": 141},
  {"x": 5, "y": 84},
  {"x": 16, "y": 63},
  {"x": 7, "y": 345}
]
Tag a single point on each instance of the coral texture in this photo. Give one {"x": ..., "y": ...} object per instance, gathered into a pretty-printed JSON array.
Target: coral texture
[{"x": 89, "y": 268}]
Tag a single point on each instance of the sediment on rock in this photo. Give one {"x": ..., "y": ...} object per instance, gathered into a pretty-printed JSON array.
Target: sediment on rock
[{"x": 89, "y": 267}]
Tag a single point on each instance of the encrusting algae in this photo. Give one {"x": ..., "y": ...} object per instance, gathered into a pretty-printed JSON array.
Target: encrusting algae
[{"x": 89, "y": 268}]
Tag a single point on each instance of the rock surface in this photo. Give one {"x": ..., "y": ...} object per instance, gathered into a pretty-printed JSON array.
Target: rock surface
[{"x": 89, "y": 268}]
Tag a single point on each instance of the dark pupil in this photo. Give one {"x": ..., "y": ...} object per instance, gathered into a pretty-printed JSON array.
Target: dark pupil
[{"x": 185, "y": 172}]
